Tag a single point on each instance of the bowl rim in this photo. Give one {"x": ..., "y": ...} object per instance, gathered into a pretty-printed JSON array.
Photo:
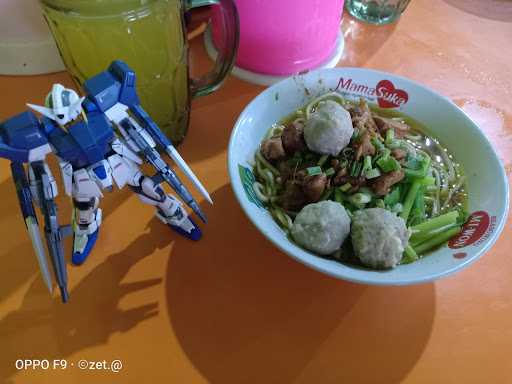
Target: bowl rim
[{"x": 367, "y": 279}]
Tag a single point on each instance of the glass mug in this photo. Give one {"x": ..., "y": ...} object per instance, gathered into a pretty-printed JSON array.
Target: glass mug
[
  {"x": 376, "y": 11},
  {"x": 149, "y": 35}
]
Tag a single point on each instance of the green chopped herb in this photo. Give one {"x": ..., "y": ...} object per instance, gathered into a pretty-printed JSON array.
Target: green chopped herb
[
  {"x": 329, "y": 172},
  {"x": 428, "y": 181},
  {"x": 409, "y": 199},
  {"x": 345, "y": 187},
  {"x": 322, "y": 160},
  {"x": 359, "y": 167},
  {"x": 367, "y": 164},
  {"x": 359, "y": 199},
  {"x": 355, "y": 169},
  {"x": 413, "y": 163},
  {"x": 437, "y": 240},
  {"x": 409, "y": 255},
  {"x": 388, "y": 164},
  {"x": 372, "y": 173},
  {"x": 393, "y": 197},
  {"x": 338, "y": 195},
  {"x": 390, "y": 136},
  {"x": 313, "y": 171},
  {"x": 377, "y": 144},
  {"x": 422, "y": 171}
]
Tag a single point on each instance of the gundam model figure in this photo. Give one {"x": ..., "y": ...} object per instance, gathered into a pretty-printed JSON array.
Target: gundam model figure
[{"x": 99, "y": 140}]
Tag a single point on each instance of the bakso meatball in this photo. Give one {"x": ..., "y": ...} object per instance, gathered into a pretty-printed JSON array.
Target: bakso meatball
[
  {"x": 329, "y": 129},
  {"x": 321, "y": 227},
  {"x": 378, "y": 237}
]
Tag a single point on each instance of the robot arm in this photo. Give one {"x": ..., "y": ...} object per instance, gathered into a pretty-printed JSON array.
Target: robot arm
[
  {"x": 22, "y": 139},
  {"x": 113, "y": 93},
  {"x": 128, "y": 96}
]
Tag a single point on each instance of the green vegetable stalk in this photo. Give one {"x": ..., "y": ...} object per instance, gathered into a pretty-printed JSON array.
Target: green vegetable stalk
[
  {"x": 409, "y": 199},
  {"x": 437, "y": 240},
  {"x": 437, "y": 222},
  {"x": 409, "y": 255}
]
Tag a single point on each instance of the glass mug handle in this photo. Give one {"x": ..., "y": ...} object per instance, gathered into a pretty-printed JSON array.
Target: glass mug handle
[{"x": 226, "y": 52}]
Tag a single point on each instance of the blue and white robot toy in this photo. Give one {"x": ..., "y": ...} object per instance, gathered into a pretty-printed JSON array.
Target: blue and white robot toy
[{"x": 99, "y": 140}]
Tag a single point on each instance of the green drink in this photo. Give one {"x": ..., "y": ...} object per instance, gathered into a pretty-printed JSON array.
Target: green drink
[{"x": 149, "y": 35}]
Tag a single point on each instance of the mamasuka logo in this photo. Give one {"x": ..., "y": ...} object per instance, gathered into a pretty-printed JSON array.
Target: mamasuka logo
[
  {"x": 387, "y": 95},
  {"x": 478, "y": 225}
]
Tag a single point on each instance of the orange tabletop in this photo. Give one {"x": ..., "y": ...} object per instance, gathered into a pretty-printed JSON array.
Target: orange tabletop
[{"x": 232, "y": 308}]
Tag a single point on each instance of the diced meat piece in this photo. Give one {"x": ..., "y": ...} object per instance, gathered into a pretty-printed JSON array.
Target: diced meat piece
[
  {"x": 341, "y": 177},
  {"x": 383, "y": 183},
  {"x": 314, "y": 187},
  {"x": 293, "y": 198},
  {"x": 362, "y": 117},
  {"x": 357, "y": 182},
  {"x": 363, "y": 146},
  {"x": 301, "y": 175},
  {"x": 293, "y": 138},
  {"x": 285, "y": 170},
  {"x": 399, "y": 153},
  {"x": 383, "y": 123},
  {"x": 335, "y": 163},
  {"x": 272, "y": 149}
]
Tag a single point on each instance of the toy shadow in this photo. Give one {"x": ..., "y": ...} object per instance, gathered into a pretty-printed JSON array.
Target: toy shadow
[
  {"x": 43, "y": 327},
  {"x": 244, "y": 312},
  {"x": 16, "y": 252}
]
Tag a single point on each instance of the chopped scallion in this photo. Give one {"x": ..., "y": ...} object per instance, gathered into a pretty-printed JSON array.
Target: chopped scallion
[
  {"x": 390, "y": 136},
  {"x": 372, "y": 173},
  {"x": 313, "y": 171},
  {"x": 329, "y": 172},
  {"x": 388, "y": 164},
  {"x": 322, "y": 160},
  {"x": 359, "y": 199},
  {"x": 377, "y": 144}
]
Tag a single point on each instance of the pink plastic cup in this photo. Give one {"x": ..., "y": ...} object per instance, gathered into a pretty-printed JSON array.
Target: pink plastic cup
[{"x": 282, "y": 37}]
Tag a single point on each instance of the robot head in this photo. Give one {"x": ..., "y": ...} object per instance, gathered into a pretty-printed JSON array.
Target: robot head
[{"x": 61, "y": 105}]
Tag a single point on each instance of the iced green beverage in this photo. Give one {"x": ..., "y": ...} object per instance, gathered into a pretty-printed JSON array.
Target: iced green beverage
[{"x": 147, "y": 34}]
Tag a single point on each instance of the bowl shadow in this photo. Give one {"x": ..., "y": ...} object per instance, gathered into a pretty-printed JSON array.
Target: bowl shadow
[{"x": 244, "y": 312}]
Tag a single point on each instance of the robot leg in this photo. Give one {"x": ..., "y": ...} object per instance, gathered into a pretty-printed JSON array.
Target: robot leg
[
  {"x": 86, "y": 223},
  {"x": 169, "y": 209}
]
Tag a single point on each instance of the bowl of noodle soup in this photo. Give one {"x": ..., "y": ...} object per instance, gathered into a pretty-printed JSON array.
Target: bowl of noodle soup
[{"x": 465, "y": 172}]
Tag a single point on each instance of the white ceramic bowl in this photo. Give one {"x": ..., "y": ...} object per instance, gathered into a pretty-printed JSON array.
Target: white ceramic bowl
[{"x": 486, "y": 181}]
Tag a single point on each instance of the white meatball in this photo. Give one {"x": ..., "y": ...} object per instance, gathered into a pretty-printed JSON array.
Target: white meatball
[
  {"x": 321, "y": 227},
  {"x": 379, "y": 237},
  {"x": 329, "y": 129}
]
